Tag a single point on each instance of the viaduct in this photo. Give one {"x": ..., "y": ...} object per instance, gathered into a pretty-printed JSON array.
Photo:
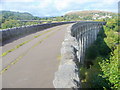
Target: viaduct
[{"x": 78, "y": 37}]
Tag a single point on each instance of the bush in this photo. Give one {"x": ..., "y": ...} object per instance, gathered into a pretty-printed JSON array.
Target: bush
[
  {"x": 104, "y": 72},
  {"x": 91, "y": 78},
  {"x": 110, "y": 69}
]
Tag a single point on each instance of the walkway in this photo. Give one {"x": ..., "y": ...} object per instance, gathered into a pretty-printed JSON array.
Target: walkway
[{"x": 34, "y": 59}]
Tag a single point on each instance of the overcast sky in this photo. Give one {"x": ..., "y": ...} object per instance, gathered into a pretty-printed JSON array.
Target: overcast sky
[{"x": 57, "y": 7}]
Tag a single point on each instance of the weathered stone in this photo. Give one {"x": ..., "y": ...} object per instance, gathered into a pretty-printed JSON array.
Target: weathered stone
[
  {"x": 25, "y": 30},
  {"x": 77, "y": 37},
  {"x": 67, "y": 76}
]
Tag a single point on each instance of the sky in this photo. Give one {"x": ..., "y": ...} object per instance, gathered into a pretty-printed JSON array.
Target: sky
[{"x": 44, "y": 8}]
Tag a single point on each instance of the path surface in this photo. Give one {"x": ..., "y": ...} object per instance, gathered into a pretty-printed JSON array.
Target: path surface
[{"x": 33, "y": 65}]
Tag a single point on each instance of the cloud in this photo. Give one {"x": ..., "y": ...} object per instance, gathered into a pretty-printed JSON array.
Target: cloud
[
  {"x": 109, "y": 2},
  {"x": 65, "y": 4},
  {"x": 19, "y": 0},
  {"x": 44, "y": 3},
  {"x": 62, "y": 4},
  {"x": 57, "y": 7}
]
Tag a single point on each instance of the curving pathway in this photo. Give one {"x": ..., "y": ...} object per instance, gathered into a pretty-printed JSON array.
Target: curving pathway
[{"x": 33, "y": 64}]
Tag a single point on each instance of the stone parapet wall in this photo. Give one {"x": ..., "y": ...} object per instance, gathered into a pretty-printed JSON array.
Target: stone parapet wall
[
  {"x": 67, "y": 74},
  {"x": 78, "y": 38},
  {"x": 85, "y": 34},
  {"x": 25, "y": 30}
]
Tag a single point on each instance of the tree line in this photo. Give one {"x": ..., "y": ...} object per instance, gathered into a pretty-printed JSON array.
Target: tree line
[{"x": 11, "y": 19}]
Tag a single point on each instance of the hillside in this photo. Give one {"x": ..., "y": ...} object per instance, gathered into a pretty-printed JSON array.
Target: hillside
[
  {"x": 90, "y": 15},
  {"x": 9, "y": 19},
  {"x": 16, "y": 15}
]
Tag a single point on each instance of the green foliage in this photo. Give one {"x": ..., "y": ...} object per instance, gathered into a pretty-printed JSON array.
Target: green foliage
[
  {"x": 92, "y": 52},
  {"x": 16, "y": 15},
  {"x": 91, "y": 77},
  {"x": 31, "y": 23},
  {"x": 7, "y": 16},
  {"x": 11, "y": 19},
  {"x": 110, "y": 70},
  {"x": 11, "y": 23},
  {"x": 89, "y": 15},
  {"x": 88, "y": 18},
  {"x": 102, "y": 48},
  {"x": 104, "y": 72},
  {"x": 111, "y": 40}
]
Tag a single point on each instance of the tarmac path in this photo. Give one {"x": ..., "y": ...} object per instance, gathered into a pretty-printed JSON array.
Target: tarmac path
[{"x": 33, "y": 64}]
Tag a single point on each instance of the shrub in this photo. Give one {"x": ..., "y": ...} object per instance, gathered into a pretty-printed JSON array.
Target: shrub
[
  {"x": 104, "y": 72},
  {"x": 110, "y": 69}
]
